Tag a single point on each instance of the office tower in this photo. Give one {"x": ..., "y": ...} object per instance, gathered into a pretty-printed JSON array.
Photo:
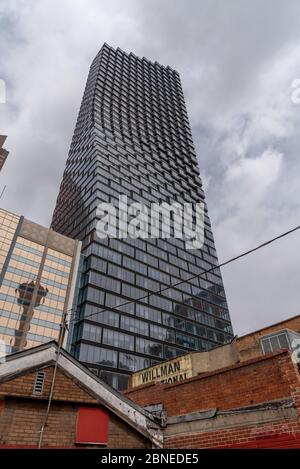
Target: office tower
[
  {"x": 38, "y": 270},
  {"x": 3, "y": 153},
  {"x": 133, "y": 138}
]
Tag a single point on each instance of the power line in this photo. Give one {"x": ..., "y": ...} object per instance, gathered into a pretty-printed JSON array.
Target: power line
[
  {"x": 229, "y": 261},
  {"x": 63, "y": 327}
]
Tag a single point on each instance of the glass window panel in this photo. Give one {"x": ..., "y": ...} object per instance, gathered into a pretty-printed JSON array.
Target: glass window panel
[
  {"x": 148, "y": 347},
  {"x": 102, "y": 356},
  {"x": 186, "y": 341},
  {"x": 283, "y": 341},
  {"x": 274, "y": 343},
  {"x": 134, "y": 325},
  {"x": 133, "y": 362},
  {"x": 266, "y": 346},
  {"x": 173, "y": 352},
  {"x": 118, "y": 339}
]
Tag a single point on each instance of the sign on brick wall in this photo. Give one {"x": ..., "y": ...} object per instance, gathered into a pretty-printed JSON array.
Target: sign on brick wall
[{"x": 171, "y": 371}]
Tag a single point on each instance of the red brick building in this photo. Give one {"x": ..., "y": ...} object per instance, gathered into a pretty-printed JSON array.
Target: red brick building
[
  {"x": 252, "y": 402},
  {"x": 238, "y": 397},
  {"x": 249, "y": 345},
  {"x": 84, "y": 412}
]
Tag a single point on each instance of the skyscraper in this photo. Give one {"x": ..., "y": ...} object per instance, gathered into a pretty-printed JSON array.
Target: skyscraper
[{"x": 133, "y": 138}]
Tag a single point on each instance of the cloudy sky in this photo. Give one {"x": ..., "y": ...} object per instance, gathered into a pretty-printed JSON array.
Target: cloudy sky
[{"x": 238, "y": 62}]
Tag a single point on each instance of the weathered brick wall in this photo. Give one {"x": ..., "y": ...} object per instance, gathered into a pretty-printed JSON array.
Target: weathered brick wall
[
  {"x": 22, "y": 414},
  {"x": 65, "y": 389},
  {"x": 120, "y": 436},
  {"x": 256, "y": 381},
  {"x": 21, "y": 420},
  {"x": 280, "y": 434}
]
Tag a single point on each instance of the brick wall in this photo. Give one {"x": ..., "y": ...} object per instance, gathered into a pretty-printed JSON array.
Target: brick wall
[
  {"x": 279, "y": 434},
  {"x": 256, "y": 381},
  {"x": 65, "y": 389},
  {"x": 22, "y": 414},
  {"x": 282, "y": 434},
  {"x": 252, "y": 382},
  {"x": 122, "y": 436},
  {"x": 21, "y": 420}
]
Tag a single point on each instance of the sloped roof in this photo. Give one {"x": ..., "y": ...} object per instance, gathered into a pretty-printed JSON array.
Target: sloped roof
[{"x": 43, "y": 355}]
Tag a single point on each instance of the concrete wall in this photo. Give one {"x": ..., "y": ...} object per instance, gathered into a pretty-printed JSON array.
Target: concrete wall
[{"x": 220, "y": 357}]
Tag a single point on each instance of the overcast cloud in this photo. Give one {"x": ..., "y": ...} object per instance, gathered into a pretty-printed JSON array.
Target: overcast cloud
[{"x": 237, "y": 61}]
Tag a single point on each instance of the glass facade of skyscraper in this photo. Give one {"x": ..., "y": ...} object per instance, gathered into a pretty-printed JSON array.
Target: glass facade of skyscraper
[
  {"x": 38, "y": 270},
  {"x": 133, "y": 138}
]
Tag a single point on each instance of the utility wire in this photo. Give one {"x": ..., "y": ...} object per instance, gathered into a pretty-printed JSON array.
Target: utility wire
[
  {"x": 63, "y": 327},
  {"x": 229, "y": 261}
]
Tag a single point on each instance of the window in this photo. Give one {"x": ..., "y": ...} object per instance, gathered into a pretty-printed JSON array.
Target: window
[
  {"x": 101, "y": 356},
  {"x": 105, "y": 317},
  {"x": 146, "y": 258},
  {"x": 91, "y": 332},
  {"x": 132, "y": 292},
  {"x": 198, "y": 330},
  {"x": 168, "y": 320},
  {"x": 134, "y": 265},
  {"x": 274, "y": 342},
  {"x": 149, "y": 348},
  {"x": 117, "y": 271},
  {"x": 148, "y": 313},
  {"x": 133, "y": 362},
  {"x": 105, "y": 282},
  {"x": 115, "y": 380},
  {"x": 92, "y": 426},
  {"x": 173, "y": 352},
  {"x": 106, "y": 253},
  {"x": 161, "y": 333},
  {"x": 117, "y": 339},
  {"x": 158, "y": 275},
  {"x": 98, "y": 264},
  {"x": 160, "y": 302},
  {"x": 96, "y": 296},
  {"x": 134, "y": 325},
  {"x": 146, "y": 283},
  {"x": 186, "y": 341},
  {"x": 179, "y": 323}
]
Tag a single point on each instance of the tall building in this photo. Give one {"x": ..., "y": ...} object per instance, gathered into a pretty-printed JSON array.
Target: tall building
[
  {"x": 38, "y": 271},
  {"x": 133, "y": 138},
  {"x": 3, "y": 153}
]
